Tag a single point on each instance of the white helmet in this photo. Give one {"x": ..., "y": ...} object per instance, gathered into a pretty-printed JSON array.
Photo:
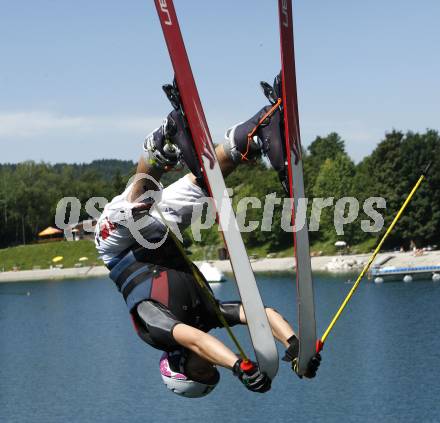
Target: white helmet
[{"x": 172, "y": 371}]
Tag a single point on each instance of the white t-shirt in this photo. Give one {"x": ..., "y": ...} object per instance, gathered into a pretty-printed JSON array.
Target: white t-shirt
[{"x": 118, "y": 229}]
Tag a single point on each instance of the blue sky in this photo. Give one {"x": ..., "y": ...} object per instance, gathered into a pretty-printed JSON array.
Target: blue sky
[{"x": 82, "y": 80}]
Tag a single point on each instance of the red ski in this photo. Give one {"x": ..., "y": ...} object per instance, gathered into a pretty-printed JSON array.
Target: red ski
[
  {"x": 304, "y": 283},
  {"x": 259, "y": 329}
]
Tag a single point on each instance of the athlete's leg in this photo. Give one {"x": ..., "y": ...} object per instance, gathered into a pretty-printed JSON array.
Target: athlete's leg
[
  {"x": 281, "y": 329},
  {"x": 225, "y": 162},
  {"x": 204, "y": 345},
  {"x": 233, "y": 313},
  {"x": 158, "y": 326},
  {"x": 154, "y": 324}
]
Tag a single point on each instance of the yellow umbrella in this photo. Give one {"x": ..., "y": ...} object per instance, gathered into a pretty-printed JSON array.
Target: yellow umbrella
[
  {"x": 50, "y": 231},
  {"x": 57, "y": 259}
]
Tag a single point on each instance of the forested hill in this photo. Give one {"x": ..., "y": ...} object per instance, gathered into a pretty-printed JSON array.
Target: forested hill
[
  {"x": 29, "y": 191},
  {"x": 106, "y": 169}
]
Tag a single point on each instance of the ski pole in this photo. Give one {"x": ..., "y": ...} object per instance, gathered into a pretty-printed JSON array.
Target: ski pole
[{"x": 320, "y": 342}]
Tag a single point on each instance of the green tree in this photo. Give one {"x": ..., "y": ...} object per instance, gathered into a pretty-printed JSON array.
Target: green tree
[
  {"x": 335, "y": 179},
  {"x": 321, "y": 149},
  {"x": 390, "y": 172}
]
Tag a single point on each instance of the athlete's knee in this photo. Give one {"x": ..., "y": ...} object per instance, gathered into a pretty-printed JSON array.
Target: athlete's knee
[
  {"x": 231, "y": 311},
  {"x": 154, "y": 324},
  {"x": 270, "y": 311},
  {"x": 139, "y": 326}
]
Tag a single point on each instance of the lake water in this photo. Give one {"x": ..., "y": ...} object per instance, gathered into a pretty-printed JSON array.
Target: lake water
[{"x": 68, "y": 353}]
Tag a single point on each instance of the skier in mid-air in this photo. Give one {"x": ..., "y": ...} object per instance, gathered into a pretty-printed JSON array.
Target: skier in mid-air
[{"x": 170, "y": 311}]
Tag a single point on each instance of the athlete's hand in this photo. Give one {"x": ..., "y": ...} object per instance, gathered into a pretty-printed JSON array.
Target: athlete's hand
[
  {"x": 313, "y": 366},
  {"x": 293, "y": 349},
  {"x": 159, "y": 149},
  {"x": 254, "y": 379},
  {"x": 291, "y": 355}
]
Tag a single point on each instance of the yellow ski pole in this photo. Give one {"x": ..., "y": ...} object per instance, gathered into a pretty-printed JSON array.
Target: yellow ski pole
[{"x": 320, "y": 342}]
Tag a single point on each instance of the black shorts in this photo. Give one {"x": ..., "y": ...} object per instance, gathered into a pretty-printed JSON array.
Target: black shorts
[{"x": 187, "y": 303}]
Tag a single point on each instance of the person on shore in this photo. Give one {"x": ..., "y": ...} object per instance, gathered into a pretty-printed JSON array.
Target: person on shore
[{"x": 169, "y": 310}]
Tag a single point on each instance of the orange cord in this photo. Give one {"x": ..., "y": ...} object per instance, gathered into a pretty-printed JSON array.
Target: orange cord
[{"x": 251, "y": 134}]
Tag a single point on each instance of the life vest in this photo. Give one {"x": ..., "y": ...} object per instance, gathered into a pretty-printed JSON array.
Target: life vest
[
  {"x": 141, "y": 274},
  {"x": 133, "y": 279}
]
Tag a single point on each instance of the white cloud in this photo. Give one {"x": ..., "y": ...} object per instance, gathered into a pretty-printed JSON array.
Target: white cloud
[{"x": 42, "y": 123}]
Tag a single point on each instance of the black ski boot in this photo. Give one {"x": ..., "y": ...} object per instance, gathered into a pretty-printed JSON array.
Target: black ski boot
[
  {"x": 263, "y": 133},
  {"x": 180, "y": 134}
]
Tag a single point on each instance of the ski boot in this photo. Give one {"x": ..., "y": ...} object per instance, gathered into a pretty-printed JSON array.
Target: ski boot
[
  {"x": 262, "y": 134},
  {"x": 180, "y": 133}
]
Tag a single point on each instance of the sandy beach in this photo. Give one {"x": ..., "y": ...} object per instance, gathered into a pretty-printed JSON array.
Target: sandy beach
[{"x": 334, "y": 264}]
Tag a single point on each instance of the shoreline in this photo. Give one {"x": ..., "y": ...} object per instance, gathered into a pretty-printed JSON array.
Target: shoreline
[
  {"x": 350, "y": 263},
  {"x": 347, "y": 263}
]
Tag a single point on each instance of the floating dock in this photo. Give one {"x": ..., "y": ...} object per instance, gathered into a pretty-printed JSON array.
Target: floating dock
[{"x": 405, "y": 274}]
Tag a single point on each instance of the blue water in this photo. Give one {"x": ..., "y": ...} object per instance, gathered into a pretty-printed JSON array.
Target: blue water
[{"x": 68, "y": 353}]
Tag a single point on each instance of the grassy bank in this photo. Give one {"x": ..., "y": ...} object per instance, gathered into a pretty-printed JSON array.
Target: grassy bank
[{"x": 27, "y": 257}]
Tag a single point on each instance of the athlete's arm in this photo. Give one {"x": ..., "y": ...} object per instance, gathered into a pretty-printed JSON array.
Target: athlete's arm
[
  {"x": 159, "y": 155},
  {"x": 204, "y": 345},
  {"x": 142, "y": 184},
  {"x": 225, "y": 162}
]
